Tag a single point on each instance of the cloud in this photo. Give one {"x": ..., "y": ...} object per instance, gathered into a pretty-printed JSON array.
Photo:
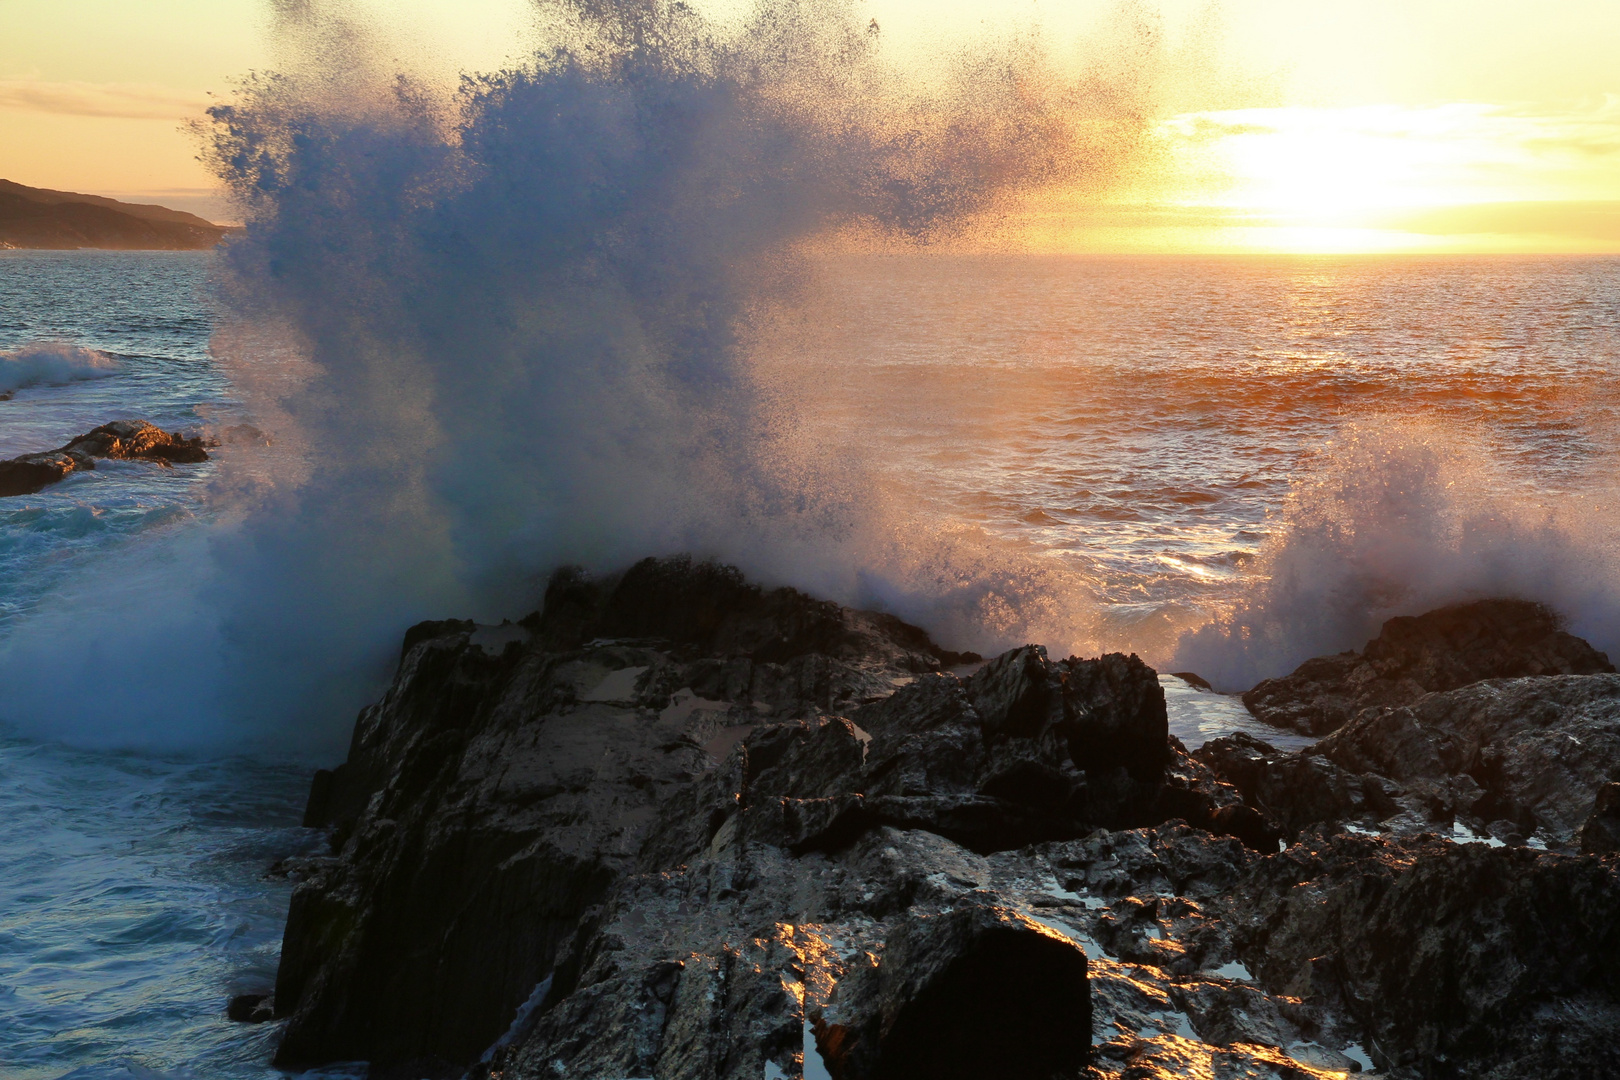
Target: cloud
[{"x": 127, "y": 101}]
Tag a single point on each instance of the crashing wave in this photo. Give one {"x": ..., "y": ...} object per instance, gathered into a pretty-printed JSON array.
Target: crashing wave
[
  {"x": 506, "y": 328},
  {"x": 1398, "y": 517},
  {"x": 51, "y": 363}
]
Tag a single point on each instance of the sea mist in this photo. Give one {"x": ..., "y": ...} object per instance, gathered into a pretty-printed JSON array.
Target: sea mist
[{"x": 505, "y": 328}]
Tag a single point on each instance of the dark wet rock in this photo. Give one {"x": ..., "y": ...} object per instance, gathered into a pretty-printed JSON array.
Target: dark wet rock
[
  {"x": 649, "y": 838},
  {"x": 1453, "y": 959},
  {"x": 906, "y": 954},
  {"x": 1511, "y": 756},
  {"x": 1533, "y": 751},
  {"x": 131, "y": 440},
  {"x": 297, "y": 868},
  {"x": 1293, "y": 791},
  {"x": 1192, "y": 678},
  {"x": 1114, "y": 716},
  {"x": 511, "y": 775},
  {"x": 942, "y": 754},
  {"x": 1415, "y": 655},
  {"x": 1601, "y": 833},
  {"x": 714, "y": 612},
  {"x": 1017, "y": 695},
  {"x": 251, "y": 1008}
]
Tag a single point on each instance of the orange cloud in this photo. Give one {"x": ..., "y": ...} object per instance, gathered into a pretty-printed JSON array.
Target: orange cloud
[{"x": 129, "y": 101}]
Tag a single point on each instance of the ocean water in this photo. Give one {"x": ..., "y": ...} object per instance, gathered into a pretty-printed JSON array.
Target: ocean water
[
  {"x": 1176, "y": 430},
  {"x": 1180, "y": 438}
]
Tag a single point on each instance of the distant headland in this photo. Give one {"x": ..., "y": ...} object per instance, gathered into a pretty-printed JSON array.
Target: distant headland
[{"x": 40, "y": 218}]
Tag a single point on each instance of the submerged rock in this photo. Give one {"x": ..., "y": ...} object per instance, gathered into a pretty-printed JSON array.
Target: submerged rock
[
  {"x": 131, "y": 440},
  {"x": 1415, "y": 655},
  {"x": 677, "y": 826}
]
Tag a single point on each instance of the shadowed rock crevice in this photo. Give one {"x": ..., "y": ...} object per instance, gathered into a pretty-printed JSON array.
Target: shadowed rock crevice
[{"x": 971, "y": 993}]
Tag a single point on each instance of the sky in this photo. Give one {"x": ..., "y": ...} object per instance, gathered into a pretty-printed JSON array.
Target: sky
[{"x": 1276, "y": 125}]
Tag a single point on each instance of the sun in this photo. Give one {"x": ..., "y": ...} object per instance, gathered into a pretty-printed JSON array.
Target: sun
[{"x": 1454, "y": 177}]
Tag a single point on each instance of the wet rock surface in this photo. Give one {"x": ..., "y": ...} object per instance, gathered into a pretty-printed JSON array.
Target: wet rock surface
[
  {"x": 1601, "y": 833},
  {"x": 129, "y": 440},
  {"x": 1517, "y": 760},
  {"x": 1415, "y": 655},
  {"x": 678, "y": 826}
]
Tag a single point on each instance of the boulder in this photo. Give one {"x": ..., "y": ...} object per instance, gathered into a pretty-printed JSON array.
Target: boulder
[
  {"x": 1415, "y": 655},
  {"x": 1534, "y": 751},
  {"x": 1520, "y": 757},
  {"x": 131, "y": 440}
]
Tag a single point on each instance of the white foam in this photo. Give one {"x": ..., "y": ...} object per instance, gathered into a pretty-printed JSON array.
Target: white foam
[
  {"x": 1398, "y": 517},
  {"x": 1462, "y": 834},
  {"x": 52, "y": 363}
]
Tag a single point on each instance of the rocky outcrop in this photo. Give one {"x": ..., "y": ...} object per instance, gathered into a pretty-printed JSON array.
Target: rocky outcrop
[
  {"x": 511, "y": 775},
  {"x": 963, "y": 993},
  {"x": 675, "y": 825},
  {"x": 1416, "y": 655},
  {"x": 1452, "y": 959},
  {"x": 129, "y": 440},
  {"x": 1511, "y": 758}
]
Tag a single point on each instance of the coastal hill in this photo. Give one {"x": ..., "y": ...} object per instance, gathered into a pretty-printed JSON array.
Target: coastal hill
[{"x": 40, "y": 218}]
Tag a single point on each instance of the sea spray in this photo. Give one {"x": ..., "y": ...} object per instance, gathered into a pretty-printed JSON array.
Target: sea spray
[
  {"x": 1396, "y": 516},
  {"x": 500, "y": 331}
]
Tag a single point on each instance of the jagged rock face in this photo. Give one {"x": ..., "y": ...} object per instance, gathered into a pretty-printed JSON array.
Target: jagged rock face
[
  {"x": 1455, "y": 959},
  {"x": 652, "y": 833},
  {"x": 1415, "y": 655},
  {"x": 1510, "y": 757},
  {"x": 709, "y": 610},
  {"x": 500, "y": 789},
  {"x": 1046, "y": 753},
  {"x": 906, "y": 954},
  {"x": 124, "y": 439}
]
